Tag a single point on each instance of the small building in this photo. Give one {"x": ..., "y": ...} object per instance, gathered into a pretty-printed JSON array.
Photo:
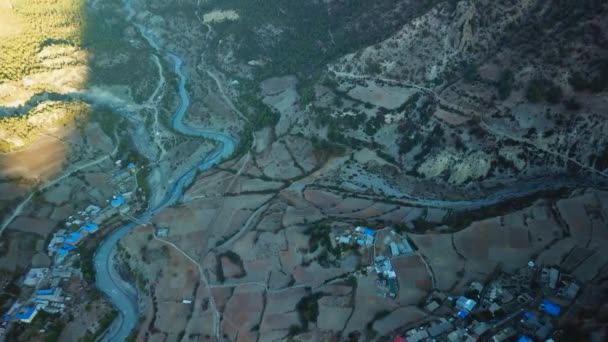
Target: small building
[
  {"x": 416, "y": 335},
  {"x": 544, "y": 331},
  {"x": 394, "y": 249},
  {"x": 494, "y": 308},
  {"x": 476, "y": 286},
  {"x": 49, "y": 295},
  {"x": 44, "y": 292},
  {"x": 162, "y": 231},
  {"x": 28, "y": 315},
  {"x": 117, "y": 201},
  {"x": 432, "y": 306},
  {"x": 92, "y": 209},
  {"x": 344, "y": 239},
  {"x": 550, "y": 277},
  {"x": 187, "y": 301},
  {"x": 392, "y": 284},
  {"x": 90, "y": 228},
  {"x": 465, "y": 304},
  {"x": 405, "y": 247},
  {"x": 34, "y": 276},
  {"x": 73, "y": 239},
  {"x": 480, "y": 328},
  {"x": 382, "y": 265},
  {"x": 525, "y": 339},
  {"x": 504, "y": 335},
  {"x": 441, "y": 328},
  {"x": 571, "y": 291},
  {"x": 550, "y": 307}
]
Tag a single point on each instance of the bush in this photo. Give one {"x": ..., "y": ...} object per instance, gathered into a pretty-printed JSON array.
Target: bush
[
  {"x": 554, "y": 94},
  {"x": 535, "y": 90},
  {"x": 505, "y": 84},
  {"x": 308, "y": 309}
]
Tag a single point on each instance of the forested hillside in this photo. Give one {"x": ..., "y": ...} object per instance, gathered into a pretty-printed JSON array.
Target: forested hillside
[
  {"x": 43, "y": 22},
  {"x": 299, "y": 37}
]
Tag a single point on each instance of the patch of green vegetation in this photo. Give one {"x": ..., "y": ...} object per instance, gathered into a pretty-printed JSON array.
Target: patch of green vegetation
[
  {"x": 87, "y": 266},
  {"x": 308, "y": 309},
  {"x": 505, "y": 84},
  {"x": 595, "y": 81},
  {"x": 249, "y": 102},
  {"x": 470, "y": 73},
  {"x": 461, "y": 220},
  {"x": 319, "y": 237},
  {"x": 295, "y": 330},
  {"x": 540, "y": 89},
  {"x": 327, "y": 147},
  {"x": 103, "y": 324},
  {"x": 301, "y": 37}
]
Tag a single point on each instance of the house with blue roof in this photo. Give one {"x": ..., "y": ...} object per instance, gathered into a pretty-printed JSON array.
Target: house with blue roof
[
  {"x": 90, "y": 228},
  {"x": 117, "y": 201},
  {"x": 27, "y": 316},
  {"x": 550, "y": 307},
  {"x": 73, "y": 239},
  {"x": 45, "y": 292}
]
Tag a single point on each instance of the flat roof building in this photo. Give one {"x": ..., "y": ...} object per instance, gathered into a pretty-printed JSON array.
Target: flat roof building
[
  {"x": 90, "y": 228},
  {"x": 117, "y": 201},
  {"x": 394, "y": 249},
  {"x": 73, "y": 239},
  {"x": 28, "y": 315},
  {"x": 465, "y": 304},
  {"x": 34, "y": 276}
]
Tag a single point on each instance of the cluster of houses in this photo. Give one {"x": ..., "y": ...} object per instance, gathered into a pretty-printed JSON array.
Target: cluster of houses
[
  {"x": 393, "y": 245},
  {"x": 507, "y": 308},
  {"x": 361, "y": 236},
  {"x": 48, "y": 294},
  {"x": 387, "y": 278}
]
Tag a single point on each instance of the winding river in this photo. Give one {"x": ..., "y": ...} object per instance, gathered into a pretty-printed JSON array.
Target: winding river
[{"x": 124, "y": 296}]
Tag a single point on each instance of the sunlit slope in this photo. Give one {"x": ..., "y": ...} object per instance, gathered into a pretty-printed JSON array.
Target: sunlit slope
[{"x": 30, "y": 25}]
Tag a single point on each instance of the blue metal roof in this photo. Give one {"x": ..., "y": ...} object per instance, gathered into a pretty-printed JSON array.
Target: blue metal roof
[
  {"x": 525, "y": 339},
  {"x": 130, "y": 165},
  {"x": 463, "y": 314},
  {"x": 369, "y": 231},
  {"x": 90, "y": 227},
  {"x": 73, "y": 238},
  {"x": 117, "y": 201},
  {"x": 7, "y": 317},
  {"x": 45, "y": 292},
  {"x": 67, "y": 247},
  {"x": 63, "y": 252},
  {"x": 27, "y": 314},
  {"x": 551, "y": 308}
]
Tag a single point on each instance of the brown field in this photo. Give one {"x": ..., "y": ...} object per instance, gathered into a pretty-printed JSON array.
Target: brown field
[
  {"x": 398, "y": 318},
  {"x": 413, "y": 278},
  {"x": 42, "y": 227},
  {"x": 41, "y": 160}
]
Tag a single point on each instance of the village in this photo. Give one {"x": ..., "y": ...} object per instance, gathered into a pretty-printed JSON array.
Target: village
[
  {"x": 524, "y": 306},
  {"x": 56, "y": 289}
]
